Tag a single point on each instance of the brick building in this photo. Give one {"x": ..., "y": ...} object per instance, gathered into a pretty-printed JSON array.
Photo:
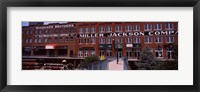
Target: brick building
[{"x": 76, "y": 40}]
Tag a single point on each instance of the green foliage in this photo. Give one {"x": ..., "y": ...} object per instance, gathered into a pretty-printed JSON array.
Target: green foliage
[
  {"x": 148, "y": 62},
  {"x": 167, "y": 65},
  {"x": 90, "y": 59}
]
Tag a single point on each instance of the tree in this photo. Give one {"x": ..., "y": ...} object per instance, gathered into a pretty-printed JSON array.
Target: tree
[
  {"x": 90, "y": 59},
  {"x": 147, "y": 60}
]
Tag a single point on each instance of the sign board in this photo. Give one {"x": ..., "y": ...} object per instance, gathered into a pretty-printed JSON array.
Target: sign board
[
  {"x": 50, "y": 46},
  {"x": 129, "y": 45}
]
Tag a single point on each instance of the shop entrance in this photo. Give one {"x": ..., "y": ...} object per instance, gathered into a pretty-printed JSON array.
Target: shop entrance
[{"x": 51, "y": 53}]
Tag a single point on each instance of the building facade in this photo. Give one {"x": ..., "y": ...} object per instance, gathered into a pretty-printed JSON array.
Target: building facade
[{"x": 82, "y": 39}]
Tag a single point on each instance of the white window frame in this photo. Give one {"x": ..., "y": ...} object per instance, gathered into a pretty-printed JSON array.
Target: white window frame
[
  {"x": 128, "y": 39},
  {"x": 87, "y": 30},
  {"x": 168, "y": 40},
  {"x": 35, "y": 40},
  {"x": 27, "y": 40},
  {"x": 108, "y": 41},
  {"x": 118, "y": 28},
  {"x": 136, "y": 40},
  {"x": 157, "y": 51},
  {"x": 156, "y": 26},
  {"x": 149, "y": 27},
  {"x": 45, "y": 40},
  {"x": 80, "y": 53},
  {"x": 136, "y": 27},
  {"x": 40, "y": 40},
  {"x": 86, "y": 53},
  {"x": 158, "y": 39},
  {"x": 109, "y": 52},
  {"x": 101, "y": 41},
  {"x": 169, "y": 26},
  {"x": 101, "y": 29},
  {"x": 92, "y": 52},
  {"x": 93, "y": 40},
  {"x": 92, "y": 29},
  {"x": 148, "y": 40},
  {"x": 128, "y": 28},
  {"x": 80, "y": 30},
  {"x": 108, "y": 28}
]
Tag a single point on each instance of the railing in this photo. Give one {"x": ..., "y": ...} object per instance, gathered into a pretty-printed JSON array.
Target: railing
[
  {"x": 99, "y": 65},
  {"x": 126, "y": 65},
  {"x": 103, "y": 64}
]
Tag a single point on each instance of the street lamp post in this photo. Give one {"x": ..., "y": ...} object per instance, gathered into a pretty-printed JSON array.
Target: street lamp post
[
  {"x": 116, "y": 48},
  {"x": 117, "y": 52}
]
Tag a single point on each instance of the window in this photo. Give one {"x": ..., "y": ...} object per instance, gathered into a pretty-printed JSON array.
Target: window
[
  {"x": 137, "y": 53},
  {"x": 40, "y": 31},
  {"x": 92, "y": 52},
  {"x": 67, "y": 39},
  {"x": 101, "y": 52},
  {"x": 86, "y": 30},
  {"x": 36, "y": 32},
  {"x": 35, "y": 40},
  {"x": 56, "y": 31},
  {"x": 40, "y": 40},
  {"x": 119, "y": 40},
  {"x": 50, "y": 31},
  {"x": 128, "y": 40},
  {"x": 129, "y": 53},
  {"x": 71, "y": 39},
  {"x": 49, "y": 40},
  {"x": 169, "y": 39},
  {"x": 158, "y": 26},
  {"x": 147, "y": 27},
  {"x": 81, "y": 30},
  {"x": 46, "y": 31},
  {"x": 108, "y": 29},
  {"x": 101, "y": 41},
  {"x": 170, "y": 54},
  {"x": 136, "y": 27},
  {"x": 30, "y": 40},
  {"x": 60, "y": 39},
  {"x": 93, "y": 30},
  {"x": 27, "y": 32},
  {"x": 159, "y": 53},
  {"x": 169, "y": 26},
  {"x": 118, "y": 28},
  {"x": 148, "y": 39},
  {"x": 87, "y": 41},
  {"x": 86, "y": 53},
  {"x": 45, "y": 40},
  {"x": 108, "y": 53},
  {"x": 30, "y": 31},
  {"x": 136, "y": 40},
  {"x": 101, "y": 29},
  {"x": 108, "y": 40},
  {"x": 128, "y": 28},
  {"x": 80, "y": 53},
  {"x": 80, "y": 41},
  {"x": 93, "y": 40},
  {"x": 55, "y": 39},
  {"x": 158, "y": 39},
  {"x": 26, "y": 41}
]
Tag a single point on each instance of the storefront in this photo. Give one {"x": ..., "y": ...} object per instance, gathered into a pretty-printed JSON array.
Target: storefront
[{"x": 105, "y": 50}]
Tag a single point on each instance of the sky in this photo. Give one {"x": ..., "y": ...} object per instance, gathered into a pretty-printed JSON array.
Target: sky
[{"x": 45, "y": 23}]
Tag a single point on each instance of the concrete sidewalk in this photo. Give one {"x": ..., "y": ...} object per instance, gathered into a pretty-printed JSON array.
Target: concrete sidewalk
[{"x": 112, "y": 65}]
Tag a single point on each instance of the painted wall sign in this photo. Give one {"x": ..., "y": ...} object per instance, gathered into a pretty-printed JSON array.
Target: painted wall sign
[
  {"x": 55, "y": 26},
  {"x": 118, "y": 34}
]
